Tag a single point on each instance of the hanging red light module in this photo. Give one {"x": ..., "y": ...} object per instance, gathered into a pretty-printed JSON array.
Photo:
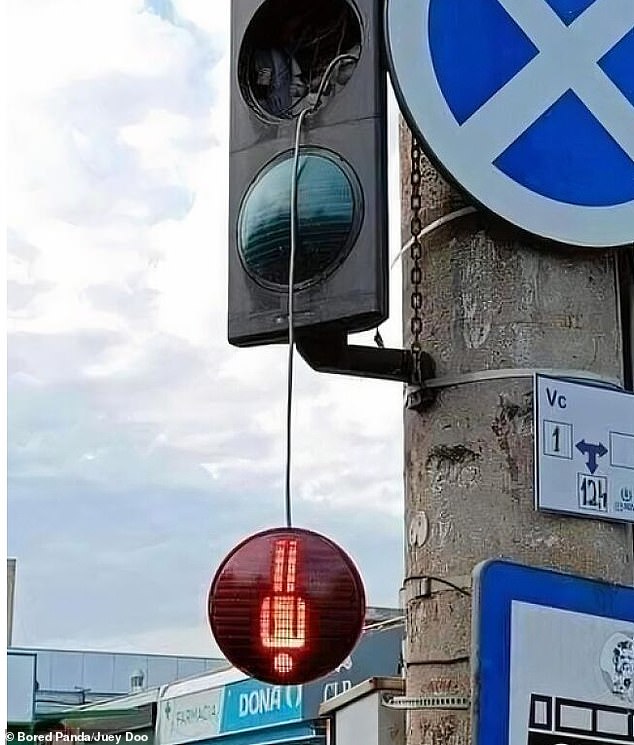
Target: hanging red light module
[{"x": 287, "y": 606}]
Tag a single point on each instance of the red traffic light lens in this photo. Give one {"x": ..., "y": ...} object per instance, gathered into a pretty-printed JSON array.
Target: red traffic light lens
[{"x": 287, "y": 606}]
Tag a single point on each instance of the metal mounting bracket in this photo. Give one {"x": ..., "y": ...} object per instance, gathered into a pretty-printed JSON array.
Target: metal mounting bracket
[
  {"x": 419, "y": 397},
  {"x": 330, "y": 352},
  {"x": 430, "y": 701}
]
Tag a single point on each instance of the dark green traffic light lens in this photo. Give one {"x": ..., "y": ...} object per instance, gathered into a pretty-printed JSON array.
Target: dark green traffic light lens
[{"x": 329, "y": 212}]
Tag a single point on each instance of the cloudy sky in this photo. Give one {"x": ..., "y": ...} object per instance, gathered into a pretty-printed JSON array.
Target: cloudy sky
[{"x": 141, "y": 446}]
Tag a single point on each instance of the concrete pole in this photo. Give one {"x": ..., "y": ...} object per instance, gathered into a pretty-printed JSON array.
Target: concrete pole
[{"x": 493, "y": 297}]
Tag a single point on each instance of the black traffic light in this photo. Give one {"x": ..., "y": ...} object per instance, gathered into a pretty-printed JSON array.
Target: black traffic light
[{"x": 280, "y": 52}]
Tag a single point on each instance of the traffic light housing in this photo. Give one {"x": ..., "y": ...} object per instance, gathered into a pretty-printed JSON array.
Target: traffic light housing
[
  {"x": 280, "y": 51},
  {"x": 286, "y": 606}
]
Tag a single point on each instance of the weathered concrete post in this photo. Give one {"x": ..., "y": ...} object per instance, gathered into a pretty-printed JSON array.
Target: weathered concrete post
[{"x": 493, "y": 298}]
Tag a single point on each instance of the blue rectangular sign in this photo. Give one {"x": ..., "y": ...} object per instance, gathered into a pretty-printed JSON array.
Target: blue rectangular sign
[
  {"x": 250, "y": 704},
  {"x": 553, "y": 658}
]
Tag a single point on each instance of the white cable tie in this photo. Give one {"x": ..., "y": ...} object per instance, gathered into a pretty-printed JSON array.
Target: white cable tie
[
  {"x": 581, "y": 376},
  {"x": 449, "y": 217}
]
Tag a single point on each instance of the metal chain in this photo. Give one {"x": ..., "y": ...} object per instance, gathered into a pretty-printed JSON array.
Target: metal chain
[{"x": 416, "y": 251}]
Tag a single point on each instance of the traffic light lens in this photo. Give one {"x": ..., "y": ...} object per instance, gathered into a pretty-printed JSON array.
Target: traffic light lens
[
  {"x": 329, "y": 213},
  {"x": 286, "y": 606}
]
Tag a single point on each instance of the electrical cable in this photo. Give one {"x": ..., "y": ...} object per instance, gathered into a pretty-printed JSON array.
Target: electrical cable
[
  {"x": 462, "y": 212},
  {"x": 441, "y": 581},
  {"x": 291, "y": 335},
  {"x": 287, "y": 113},
  {"x": 430, "y": 228},
  {"x": 291, "y": 276},
  {"x": 327, "y": 73},
  {"x": 443, "y": 661},
  {"x": 396, "y": 621}
]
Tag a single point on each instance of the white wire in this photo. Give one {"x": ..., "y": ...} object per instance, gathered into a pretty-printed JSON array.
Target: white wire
[
  {"x": 291, "y": 274},
  {"x": 291, "y": 335},
  {"x": 327, "y": 73}
]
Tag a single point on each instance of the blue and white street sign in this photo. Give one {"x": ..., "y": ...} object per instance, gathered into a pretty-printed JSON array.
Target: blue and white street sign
[
  {"x": 553, "y": 658},
  {"x": 584, "y": 449},
  {"x": 528, "y": 105}
]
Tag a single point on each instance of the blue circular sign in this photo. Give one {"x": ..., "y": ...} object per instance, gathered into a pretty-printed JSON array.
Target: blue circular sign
[{"x": 529, "y": 106}]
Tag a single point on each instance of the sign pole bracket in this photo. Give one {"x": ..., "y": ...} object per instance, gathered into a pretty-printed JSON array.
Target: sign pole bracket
[{"x": 330, "y": 352}]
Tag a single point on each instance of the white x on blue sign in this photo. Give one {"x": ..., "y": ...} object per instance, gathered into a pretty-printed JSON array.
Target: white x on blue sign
[{"x": 528, "y": 104}]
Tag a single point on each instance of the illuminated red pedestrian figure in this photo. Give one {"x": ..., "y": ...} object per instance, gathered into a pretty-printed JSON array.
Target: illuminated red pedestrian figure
[{"x": 283, "y": 615}]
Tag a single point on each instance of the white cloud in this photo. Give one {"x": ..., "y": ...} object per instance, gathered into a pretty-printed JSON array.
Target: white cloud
[
  {"x": 194, "y": 641},
  {"x": 145, "y": 444}
]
